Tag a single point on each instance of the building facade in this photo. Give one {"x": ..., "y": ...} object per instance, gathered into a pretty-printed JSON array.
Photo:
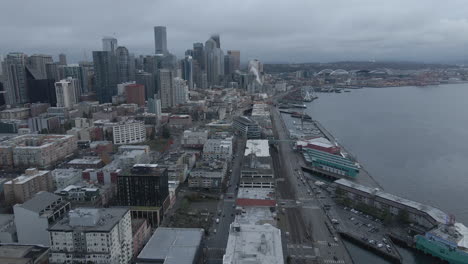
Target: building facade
[
  {"x": 90, "y": 235},
  {"x": 143, "y": 185},
  {"x": 129, "y": 132},
  {"x": 24, "y": 187}
]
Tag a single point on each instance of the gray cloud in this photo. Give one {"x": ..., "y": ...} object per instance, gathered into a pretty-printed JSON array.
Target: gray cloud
[{"x": 273, "y": 31}]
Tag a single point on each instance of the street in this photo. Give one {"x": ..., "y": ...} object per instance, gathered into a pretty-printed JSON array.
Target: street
[{"x": 311, "y": 238}]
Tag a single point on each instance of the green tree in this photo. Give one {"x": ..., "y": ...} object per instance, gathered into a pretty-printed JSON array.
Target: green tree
[{"x": 166, "y": 133}]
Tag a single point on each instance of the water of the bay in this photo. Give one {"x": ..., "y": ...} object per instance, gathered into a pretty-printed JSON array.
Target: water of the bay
[{"x": 413, "y": 140}]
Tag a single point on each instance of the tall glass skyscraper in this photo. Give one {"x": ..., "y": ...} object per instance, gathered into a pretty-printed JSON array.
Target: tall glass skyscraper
[
  {"x": 105, "y": 70},
  {"x": 160, "y": 40},
  {"x": 109, "y": 44}
]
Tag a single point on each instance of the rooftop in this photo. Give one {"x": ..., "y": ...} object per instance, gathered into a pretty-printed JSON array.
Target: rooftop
[
  {"x": 90, "y": 220},
  {"x": 29, "y": 175},
  {"x": 258, "y": 147},
  {"x": 254, "y": 244},
  {"x": 41, "y": 202},
  {"x": 172, "y": 246},
  {"x": 435, "y": 213},
  {"x": 85, "y": 161},
  {"x": 20, "y": 254}
]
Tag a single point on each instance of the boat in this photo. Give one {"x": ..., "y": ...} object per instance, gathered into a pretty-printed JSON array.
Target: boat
[{"x": 297, "y": 106}]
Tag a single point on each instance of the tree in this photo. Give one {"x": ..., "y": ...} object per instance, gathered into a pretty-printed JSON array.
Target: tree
[{"x": 166, "y": 133}]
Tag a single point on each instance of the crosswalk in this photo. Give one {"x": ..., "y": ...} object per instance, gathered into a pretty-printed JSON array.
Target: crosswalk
[{"x": 332, "y": 261}]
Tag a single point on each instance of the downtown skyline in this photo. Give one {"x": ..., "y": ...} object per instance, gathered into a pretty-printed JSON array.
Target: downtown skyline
[{"x": 302, "y": 31}]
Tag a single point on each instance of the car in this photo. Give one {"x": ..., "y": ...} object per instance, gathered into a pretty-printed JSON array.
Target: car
[
  {"x": 379, "y": 245},
  {"x": 371, "y": 241},
  {"x": 335, "y": 238},
  {"x": 217, "y": 220},
  {"x": 384, "y": 240},
  {"x": 214, "y": 231},
  {"x": 351, "y": 218},
  {"x": 334, "y": 221}
]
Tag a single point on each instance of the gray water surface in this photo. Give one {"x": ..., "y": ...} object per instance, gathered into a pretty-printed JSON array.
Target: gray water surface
[{"x": 412, "y": 140}]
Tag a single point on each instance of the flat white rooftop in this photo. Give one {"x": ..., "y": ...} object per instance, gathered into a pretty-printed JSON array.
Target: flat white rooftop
[
  {"x": 259, "y": 244},
  {"x": 258, "y": 147}
]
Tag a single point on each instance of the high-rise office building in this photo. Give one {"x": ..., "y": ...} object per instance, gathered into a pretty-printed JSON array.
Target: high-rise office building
[
  {"x": 66, "y": 92},
  {"x": 148, "y": 80},
  {"x": 160, "y": 40},
  {"x": 215, "y": 37},
  {"x": 52, "y": 71},
  {"x": 38, "y": 63},
  {"x": 14, "y": 72},
  {"x": 109, "y": 44},
  {"x": 40, "y": 90},
  {"x": 123, "y": 64},
  {"x": 79, "y": 73},
  {"x": 62, "y": 59},
  {"x": 197, "y": 74},
  {"x": 235, "y": 60},
  {"x": 131, "y": 67},
  {"x": 180, "y": 91},
  {"x": 214, "y": 62},
  {"x": 165, "y": 87},
  {"x": 187, "y": 70},
  {"x": 105, "y": 71},
  {"x": 199, "y": 54}
]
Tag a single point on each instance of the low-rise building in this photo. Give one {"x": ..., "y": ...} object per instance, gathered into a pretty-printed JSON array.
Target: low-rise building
[
  {"x": 27, "y": 254},
  {"x": 15, "y": 113},
  {"x": 66, "y": 177},
  {"x": 216, "y": 149},
  {"x": 104, "y": 235},
  {"x": 247, "y": 127},
  {"x": 7, "y": 229},
  {"x": 257, "y": 167},
  {"x": 249, "y": 243},
  {"x": 208, "y": 174},
  {"x": 24, "y": 187},
  {"x": 34, "y": 217},
  {"x": 141, "y": 232},
  {"x": 180, "y": 121},
  {"x": 194, "y": 139},
  {"x": 129, "y": 132},
  {"x": 88, "y": 162},
  {"x": 417, "y": 213},
  {"x": 173, "y": 245},
  {"x": 36, "y": 150}
]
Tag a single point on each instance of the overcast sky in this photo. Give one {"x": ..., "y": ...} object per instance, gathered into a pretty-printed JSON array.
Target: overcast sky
[{"x": 270, "y": 30}]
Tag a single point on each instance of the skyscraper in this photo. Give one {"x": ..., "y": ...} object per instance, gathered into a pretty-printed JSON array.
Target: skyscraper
[
  {"x": 187, "y": 70},
  {"x": 199, "y": 54},
  {"x": 214, "y": 62},
  {"x": 109, "y": 44},
  {"x": 66, "y": 92},
  {"x": 148, "y": 80},
  {"x": 14, "y": 71},
  {"x": 166, "y": 87},
  {"x": 160, "y": 40},
  {"x": 105, "y": 70},
  {"x": 62, "y": 59},
  {"x": 215, "y": 37},
  {"x": 235, "y": 59},
  {"x": 38, "y": 63},
  {"x": 79, "y": 73},
  {"x": 123, "y": 64}
]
